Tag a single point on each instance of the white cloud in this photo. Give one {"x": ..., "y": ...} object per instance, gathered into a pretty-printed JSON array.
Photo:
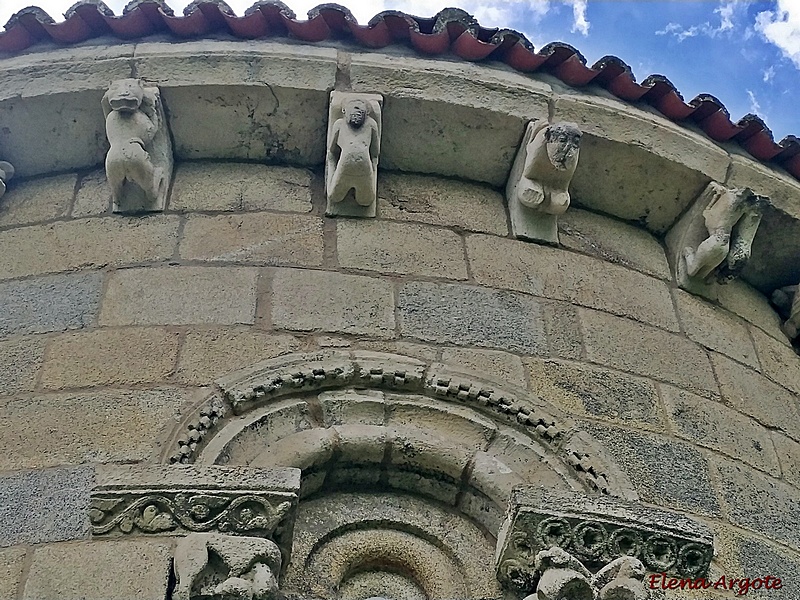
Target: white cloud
[
  {"x": 769, "y": 74},
  {"x": 755, "y": 107},
  {"x": 782, "y": 28},
  {"x": 580, "y": 23},
  {"x": 728, "y": 16}
]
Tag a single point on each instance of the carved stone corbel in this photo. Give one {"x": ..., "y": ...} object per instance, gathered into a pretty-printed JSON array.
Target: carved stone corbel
[
  {"x": 139, "y": 161},
  {"x": 352, "y": 151},
  {"x": 712, "y": 242},
  {"x": 545, "y": 531},
  {"x": 212, "y": 565},
  {"x": 787, "y": 301},
  {"x": 538, "y": 186},
  {"x": 6, "y": 173}
]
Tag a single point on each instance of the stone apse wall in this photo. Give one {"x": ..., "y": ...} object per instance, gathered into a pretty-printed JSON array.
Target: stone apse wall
[{"x": 115, "y": 328}]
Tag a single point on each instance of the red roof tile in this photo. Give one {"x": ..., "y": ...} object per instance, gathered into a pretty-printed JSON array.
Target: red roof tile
[{"x": 451, "y": 30}]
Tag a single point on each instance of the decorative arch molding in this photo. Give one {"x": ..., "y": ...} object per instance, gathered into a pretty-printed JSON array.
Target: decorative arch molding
[{"x": 242, "y": 395}]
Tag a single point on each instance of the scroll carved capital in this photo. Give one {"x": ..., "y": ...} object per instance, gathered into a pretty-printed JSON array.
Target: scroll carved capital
[
  {"x": 598, "y": 533},
  {"x": 139, "y": 161},
  {"x": 352, "y": 152},
  {"x": 6, "y": 173},
  {"x": 538, "y": 186}
]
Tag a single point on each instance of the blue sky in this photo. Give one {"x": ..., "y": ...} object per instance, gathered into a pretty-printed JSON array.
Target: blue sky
[{"x": 745, "y": 53}]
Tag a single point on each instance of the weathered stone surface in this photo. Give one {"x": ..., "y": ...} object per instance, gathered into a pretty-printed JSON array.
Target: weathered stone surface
[
  {"x": 757, "y": 396},
  {"x": 741, "y": 299},
  {"x": 758, "y": 502},
  {"x": 778, "y": 362},
  {"x": 20, "y": 359},
  {"x": 110, "y": 357},
  {"x": 90, "y": 243},
  {"x": 665, "y": 472},
  {"x": 439, "y": 201},
  {"x": 560, "y": 275},
  {"x": 594, "y": 391},
  {"x": 180, "y": 296},
  {"x": 564, "y": 337},
  {"x": 788, "y": 452},
  {"x": 708, "y": 423},
  {"x": 258, "y": 238},
  {"x": 100, "y": 571},
  {"x": 500, "y": 366},
  {"x": 332, "y": 302},
  {"x": 472, "y": 316},
  {"x": 613, "y": 241},
  {"x": 232, "y": 186},
  {"x": 44, "y": 506},
  {"x": 114, "y": 425},
  {"x": 208, "y": 354},
  {"x": 50, "y": 303},
  {"x": 759, "y": 559},
  {"x": 420, "y": 351},
  {"x": 634, "y": 347},
  {"x": 714, "y": 328},
  {"x": 93, "y": 196},
  {"x": 37, "y": 200},
  {"x": 407, "y": 249},
  {"x": 11, "y": 565}
]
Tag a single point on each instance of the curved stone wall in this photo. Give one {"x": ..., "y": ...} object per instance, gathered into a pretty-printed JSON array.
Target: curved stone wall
[{"x": 114, "y": 328}]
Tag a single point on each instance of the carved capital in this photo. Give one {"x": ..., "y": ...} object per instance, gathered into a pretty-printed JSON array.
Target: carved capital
[
  {"x": 599, "y": 532},
  {"x": 6, "y": 173},
  {"x": 139, "y": 160},
  {"x": 163, "y": 500},
  {"x": 712, "y": 242},
  {"x": 352, "y": 151},
  {"x": 538, "y": 186}
]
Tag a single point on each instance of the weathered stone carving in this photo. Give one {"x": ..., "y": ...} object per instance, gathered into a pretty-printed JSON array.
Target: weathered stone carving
[
  {"x": 139, "y": 162},
  {"x": 6, "y": 173},
  {"x": 598, "y": 531},
  {"x": 226, "y": 567},
  {"x": 131, "y": 499},
  {"x": 621, "y": 579},
  {"x": 713, "y": 241},
  {"x": 787, "y": 301},
  {"x": 353, "y": 147},
  {"x": 538, "y": 186},
  {"x": 198, "y": 430}
]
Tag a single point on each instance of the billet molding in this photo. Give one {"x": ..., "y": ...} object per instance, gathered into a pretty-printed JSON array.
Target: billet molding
[
  {"x": 297, "y": 374},
  {"x": 597, "y": 531},
  {"x": 538, "y": 185},
  {"x": 162, "y": 500}
]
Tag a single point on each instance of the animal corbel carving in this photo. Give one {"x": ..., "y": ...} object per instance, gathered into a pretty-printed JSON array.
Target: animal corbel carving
[
  {"x": 139, "y": 161},
  {"x": 538, "y": 186},
  {"x": 6, "y": 173},
  {"x": 563, "y": 576},
  {"x": 787, "y": 301},
  {"x": 621, "y": 579},
  {"x": 353, "y": 148},
  {"x": 226, "y": 567}
]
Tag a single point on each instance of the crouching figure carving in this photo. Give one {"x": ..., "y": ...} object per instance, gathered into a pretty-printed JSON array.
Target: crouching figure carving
[
  {"x": 226, "y": 567},
  {"x": 787, "y": 301},
  {"x": 538, "y": 186},
  {"x": 564, "y": 577},
  {"x": 351, "y": 164},
  {"x": 139, "y": 162},
  {"x": 6, "y": 173}
]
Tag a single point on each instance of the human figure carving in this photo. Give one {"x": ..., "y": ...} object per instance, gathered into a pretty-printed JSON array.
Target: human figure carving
[
  {"x": 250, "y": 567},
  {"x": 133, "y": 121},
  {"x": 731, "y": 219},
  {"x": 352, "y": 153},
  {"x": 550, "y": 162},
  {"x": 563, "y": 577},
  {"x": 621, "y": 579},
  {"x": 6, "y": 173},
  {"x": 787, "y": 300}
]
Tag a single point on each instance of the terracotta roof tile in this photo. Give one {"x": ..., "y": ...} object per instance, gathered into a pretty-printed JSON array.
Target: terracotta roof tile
[{"x": 450, "y": 31}]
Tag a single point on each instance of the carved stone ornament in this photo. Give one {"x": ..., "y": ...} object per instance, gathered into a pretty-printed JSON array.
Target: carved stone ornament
[
  {"x": 787, "y": 301},
  {"x": 712, "y": 242},
  {"x": 6, "y": 173},
  {"x": 139, "y": 161},
  {"x": 133, "y": 499},
  {"x": 352, "y": 151},
  {"x": 538, "y": 186},
  {"x": 227, "y": 567},
  {"x": 598, "y": 531}
]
